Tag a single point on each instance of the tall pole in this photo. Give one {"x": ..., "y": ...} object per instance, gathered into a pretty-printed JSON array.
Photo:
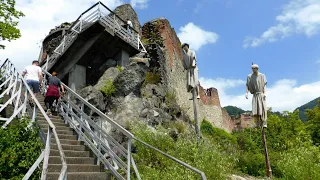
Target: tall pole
[
  {"x": 268, "y": 167},
  {"x": 196, "y": 114}
]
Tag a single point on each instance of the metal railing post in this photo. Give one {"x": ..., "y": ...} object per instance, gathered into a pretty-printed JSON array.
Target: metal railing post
[
  {"x": 81, "y": 119},
  {"x": 80, "y": 24},
  {"x": 99, "y": 142},
  {"x": 129, "y": 158},
  {"x": 46, "y": 155},
  {"x": 138, "y": 40}
]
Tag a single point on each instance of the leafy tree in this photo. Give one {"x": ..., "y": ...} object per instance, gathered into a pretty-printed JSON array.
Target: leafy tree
[
  {"x": 314, "y": 123},
  {"x": 234, "y": 111},
  {"x": 303, "y": 109},
  {"x": 8, "y": 23},
  {"x": 20, "y": 148}
]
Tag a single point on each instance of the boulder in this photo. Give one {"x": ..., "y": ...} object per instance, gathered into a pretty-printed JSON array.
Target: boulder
[
  {"x": 109, "y": 75},
  {"x": 130, "y": 79},
  {"x": 94, "y": 97},
  {"x": 129, "y": 110}
]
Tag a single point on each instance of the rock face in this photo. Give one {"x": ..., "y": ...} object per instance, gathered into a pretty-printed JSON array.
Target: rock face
[
  {"x": 109, "y": 75},
  {"x": 125, "y": 12},
  {"x": 94, "y": 97},
  {"x": 169, "y": 53},
  {"x": 130, "y": 80}
]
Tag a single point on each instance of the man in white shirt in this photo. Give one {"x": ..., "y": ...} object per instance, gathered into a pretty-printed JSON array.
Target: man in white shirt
[
  {"x": 33, "y": 77},
  {"x": 129, "y": 26}
]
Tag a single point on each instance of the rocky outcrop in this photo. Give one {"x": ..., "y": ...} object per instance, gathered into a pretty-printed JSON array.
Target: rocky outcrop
[
  {"x": 109, "y": 75},
  {"x": 125, "y": 12},
  {"x": 169, "y": 54},
  {"x": 94, "y": 97},
  {"x": 131, "y": 79}
]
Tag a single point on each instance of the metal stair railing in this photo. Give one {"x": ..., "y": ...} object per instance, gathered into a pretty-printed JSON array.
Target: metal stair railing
[
  {"x": 19, "y": 98},
  {"x": 107, "y": 18},
  {"x": 97, "y": 131}
]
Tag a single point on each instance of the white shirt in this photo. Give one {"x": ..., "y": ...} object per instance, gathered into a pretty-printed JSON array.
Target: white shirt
[
  {"x": 129, "y": 23},
  {"x": 32, "y": 72}
]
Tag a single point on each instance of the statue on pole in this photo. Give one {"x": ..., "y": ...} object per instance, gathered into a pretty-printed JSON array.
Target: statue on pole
[
  {"x": 256, "y": 85},
  {"x": 189, "y": 62}
]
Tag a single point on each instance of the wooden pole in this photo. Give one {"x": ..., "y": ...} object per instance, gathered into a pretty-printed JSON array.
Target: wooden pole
[
  {"x": 268, "y": 167},
  {"x": 196, "y": 113}
]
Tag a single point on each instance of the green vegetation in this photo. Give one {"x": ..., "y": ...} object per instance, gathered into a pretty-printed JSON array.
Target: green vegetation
[
  {"x": 293, "y": 149},
  {"x": 234, "y": 111},
  {"x": 109, "y": 89},
  {"x": 313, "y": 124},
  {"x": 120, "y": 68},
  {"x": 8, "y": 23},
  {"x": 19, "y": 149},
  {"x": 152, "y": 78},
  {"x": 152, "y": 165},
  {"x": 310, "y": 105}
]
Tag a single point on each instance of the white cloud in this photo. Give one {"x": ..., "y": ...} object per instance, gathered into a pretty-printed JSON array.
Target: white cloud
[
  {"x": 40, "y": 17},
  {"x": 141, "y": 4},
  {"x": 196, "y": 37},
  {"x": 282, "y": 95},
  {"x": 297, "y": 17}
]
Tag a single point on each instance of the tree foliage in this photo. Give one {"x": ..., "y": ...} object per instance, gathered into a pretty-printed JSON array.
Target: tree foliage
[
  {"x": 234, "y": 111},
  {"x": 20, "y": 148},
  {"x": 8, "y": 21},
  {"x": 304, "y": 108}
]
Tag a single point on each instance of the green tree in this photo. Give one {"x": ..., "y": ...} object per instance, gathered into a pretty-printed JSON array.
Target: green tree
[
  {"x": 313, "y": 123},
  {"x": 8, "y": 21}
]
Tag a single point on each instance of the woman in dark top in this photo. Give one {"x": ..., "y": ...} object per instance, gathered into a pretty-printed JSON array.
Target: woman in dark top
[{"x": 52, "y": 91}]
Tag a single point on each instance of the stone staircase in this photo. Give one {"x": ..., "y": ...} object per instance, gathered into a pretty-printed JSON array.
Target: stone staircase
[{"x": 81, "y": 164}]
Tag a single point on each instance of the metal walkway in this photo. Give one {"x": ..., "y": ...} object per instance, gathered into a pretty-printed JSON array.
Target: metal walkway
[
  {"x": 96, "y": 134},
  {"x": 107, "y": 18}
]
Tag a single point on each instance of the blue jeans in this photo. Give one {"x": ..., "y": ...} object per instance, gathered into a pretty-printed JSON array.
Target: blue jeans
[{"x": 34, "y": 85}]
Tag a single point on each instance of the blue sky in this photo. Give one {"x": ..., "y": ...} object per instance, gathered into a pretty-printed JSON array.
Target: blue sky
[{"x": 228, "y": 35}]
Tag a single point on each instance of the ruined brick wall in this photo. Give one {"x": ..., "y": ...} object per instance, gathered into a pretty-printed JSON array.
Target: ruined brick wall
[
  {"x": 161, "y": 32},
  {"x": 210, "y": 96},
  {"x": 228, "y": 124}
]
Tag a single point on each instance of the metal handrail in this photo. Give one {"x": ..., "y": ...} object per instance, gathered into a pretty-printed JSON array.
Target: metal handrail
[
  {"x": 16, "y": 96},
  {"x": 81, "y": 24},
  {"x": 101, "y": 139}
]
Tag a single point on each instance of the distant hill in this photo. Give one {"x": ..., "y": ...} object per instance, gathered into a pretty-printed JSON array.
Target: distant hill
[
  {"x": 234, "y": 111},
  {"x": 309, "y": 105}
]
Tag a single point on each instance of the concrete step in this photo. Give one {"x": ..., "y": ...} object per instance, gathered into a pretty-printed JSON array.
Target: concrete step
[
  {"x": 56, "y": 123},
  {"x": 67, "y": 132},
  {"x": 69, "y": 147},
  {"x": 72, "y": 160},
  {"x": 64, "y": 136},
  {"x": 74, "y": 168},
  {"x": 80, "y": 176},
  {"x": 52, "y": 118},
  {"x": 67, "y": 141},
  {"x": 69, "y": 153},
  {"x": 61, "y": 128}
]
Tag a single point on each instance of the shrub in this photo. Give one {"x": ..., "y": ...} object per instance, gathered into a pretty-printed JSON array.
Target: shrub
[
  {"x": 109, "y": 89},
  {"x": 220, "y": 136},
  {"x": 206, "y": 157},
  {"x": 152, "y": 78},
  {"x": 301, "y": 163},
  {"x": 120, "y": 68},
  {"x": 19, "y": 149}
]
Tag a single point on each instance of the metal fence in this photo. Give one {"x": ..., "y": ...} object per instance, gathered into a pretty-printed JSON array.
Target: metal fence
[
  {"x": 107, "y": 18},
  {"x": 18, "y": 91}
]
